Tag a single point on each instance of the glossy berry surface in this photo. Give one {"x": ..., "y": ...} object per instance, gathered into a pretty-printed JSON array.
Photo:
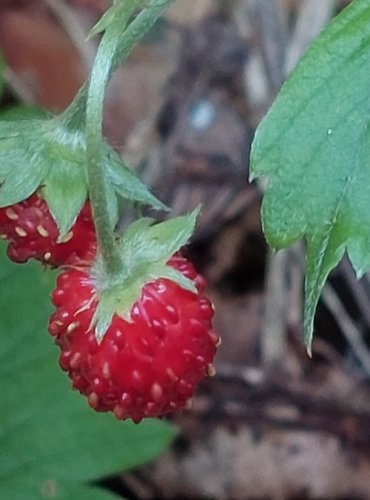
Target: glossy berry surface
[
  {"x": 33, "y": 233},
  {"x": 147, "y": 367}
]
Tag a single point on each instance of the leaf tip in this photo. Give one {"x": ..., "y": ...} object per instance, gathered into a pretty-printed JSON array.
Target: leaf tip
[
  {"x": 309, "y": 350},
  {"x": 100, "y": 331},
  {"x": 98, "y": 325},
  {"x": 360, "y": 273},
  {"x": 308, "y": 334},
  {"x": 252, "y": 175},
  {"x": 195, "y": 213}
]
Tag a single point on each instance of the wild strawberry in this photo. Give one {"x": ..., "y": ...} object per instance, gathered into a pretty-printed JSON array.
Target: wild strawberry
[
  {"x": 145, "y": 367},
  {"x": 32, "y": 232}
]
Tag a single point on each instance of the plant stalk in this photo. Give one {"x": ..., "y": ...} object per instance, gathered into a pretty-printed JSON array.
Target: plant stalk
[
  {"x": 74, "y": 116},
  {"x": 94, "y": 118},
  {"x": 87, "y": 108}
]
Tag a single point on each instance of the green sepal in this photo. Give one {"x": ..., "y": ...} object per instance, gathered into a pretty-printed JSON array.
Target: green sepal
[
  {"x": 125, "y": 182},
  {"x": 145, "y": 242},
  {"x": 109, "y": 17},
  {"x": 103, "y": 316},
  {"x": 43, "y": 153},
  {"x": 176, "y": 276},
  {"x": 103, "y": 22},
  {"x": 113, "y": 206},
  {"x": 68, "y": 148},
  {"x": 65, "y": 186},
  {"x": 22, "y": 169},
  {"x": 65, "y": 191},
  {"x": 145, "y": 249}
]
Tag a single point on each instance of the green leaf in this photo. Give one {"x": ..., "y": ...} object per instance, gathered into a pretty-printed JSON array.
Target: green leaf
[
  {"x": 52, "y": 444},
  {"x": 53, "y": 488},
  {"x": 314, "y": 147}
]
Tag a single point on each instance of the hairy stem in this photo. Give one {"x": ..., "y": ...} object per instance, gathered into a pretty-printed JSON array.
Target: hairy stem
[
  {"x": 94, "y": 117},
  {"x": 87, "y": 109},
  {"x": 75, "y": 115}
]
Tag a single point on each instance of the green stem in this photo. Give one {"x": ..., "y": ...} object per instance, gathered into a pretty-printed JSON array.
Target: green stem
[
  {"x": 74, "y": 115},
  {"x": 94, "y": 117},
  {"x": 116, "y": 44}
]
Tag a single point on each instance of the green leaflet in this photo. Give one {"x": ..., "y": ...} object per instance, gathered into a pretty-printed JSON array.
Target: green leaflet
[
  {"x": 52, "y": 444},
  {"x": 314, "y": 147}
]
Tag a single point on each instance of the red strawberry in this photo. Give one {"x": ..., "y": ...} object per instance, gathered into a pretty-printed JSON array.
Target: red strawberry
[
  {"x": 144, "y": 368},
  {"x": 32, "y": 232}
]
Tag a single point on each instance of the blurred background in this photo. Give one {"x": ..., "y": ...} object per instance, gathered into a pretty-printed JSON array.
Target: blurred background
[{"x": 272, "y": 423}]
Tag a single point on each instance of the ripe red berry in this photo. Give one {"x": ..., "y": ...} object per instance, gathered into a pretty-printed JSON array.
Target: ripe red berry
[
  {"x": 33, "y": 233},
  {"x": 147, "y": 367}
]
